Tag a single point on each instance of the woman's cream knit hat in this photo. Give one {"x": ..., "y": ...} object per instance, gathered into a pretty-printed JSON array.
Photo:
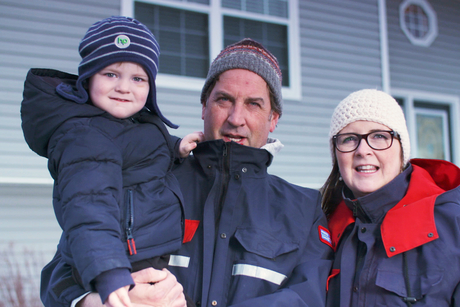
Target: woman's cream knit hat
[{"x": 374, "y": 106}]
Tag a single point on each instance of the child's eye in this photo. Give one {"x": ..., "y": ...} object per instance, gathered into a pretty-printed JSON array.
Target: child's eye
[
  {"x": 139, "y": 79},
  {"x": 110, "y": 75}
]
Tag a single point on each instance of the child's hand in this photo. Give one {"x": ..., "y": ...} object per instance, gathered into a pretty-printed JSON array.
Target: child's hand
[
  {"x": 189, "y": 142},
  {"x": 119, "y": 298}
]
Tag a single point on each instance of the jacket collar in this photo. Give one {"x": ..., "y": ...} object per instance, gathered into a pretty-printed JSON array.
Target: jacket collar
[
  {"x": 410, "y": 223},
  {"x": 211, "y": 154}
]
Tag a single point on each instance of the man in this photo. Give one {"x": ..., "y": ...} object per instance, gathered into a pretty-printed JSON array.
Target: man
[{"x": 251, "y": 239}]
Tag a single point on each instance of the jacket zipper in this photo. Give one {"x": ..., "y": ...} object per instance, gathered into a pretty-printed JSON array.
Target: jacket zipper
[
  {"x": 225, "y": 181},
  {"x": 129, "y": 224}
]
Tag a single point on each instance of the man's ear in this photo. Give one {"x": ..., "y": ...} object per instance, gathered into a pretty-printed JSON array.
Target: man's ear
[
  {"x": 273, "y": 120},
  {"x": 203, "y": 109}
]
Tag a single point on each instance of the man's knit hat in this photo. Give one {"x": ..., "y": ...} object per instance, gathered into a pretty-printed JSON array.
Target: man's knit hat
[
  {"x": 251, "y": 55},
  {"x": 111, "y": 40},
  {"x": 374, "y": 106}
]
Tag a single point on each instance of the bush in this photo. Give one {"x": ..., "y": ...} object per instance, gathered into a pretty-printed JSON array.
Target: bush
[{"x": 20, "y": 277}]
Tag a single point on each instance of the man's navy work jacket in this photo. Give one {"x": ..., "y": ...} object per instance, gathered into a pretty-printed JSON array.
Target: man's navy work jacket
[{"x": 259, "y": 240}]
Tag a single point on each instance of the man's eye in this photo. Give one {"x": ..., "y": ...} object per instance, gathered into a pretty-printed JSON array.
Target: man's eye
[{"x": 222, "y": 98}]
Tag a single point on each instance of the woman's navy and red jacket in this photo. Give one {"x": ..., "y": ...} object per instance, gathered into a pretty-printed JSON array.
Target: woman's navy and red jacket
[
  {"x": 113, "y": 183},
  {"x": 400, "y": 245}
]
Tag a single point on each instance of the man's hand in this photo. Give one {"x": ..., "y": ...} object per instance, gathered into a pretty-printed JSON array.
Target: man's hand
[
  {"x": 189, "y": 142},
  {"x": 119, "y": 298},
  {"x": 156, "y": 288}
]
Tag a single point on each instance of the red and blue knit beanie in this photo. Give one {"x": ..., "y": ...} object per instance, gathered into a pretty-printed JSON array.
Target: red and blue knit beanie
[{"x": 250, "y": 55}]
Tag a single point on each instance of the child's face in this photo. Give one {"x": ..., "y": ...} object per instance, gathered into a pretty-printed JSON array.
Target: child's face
[{"x": 120, "y": 89}]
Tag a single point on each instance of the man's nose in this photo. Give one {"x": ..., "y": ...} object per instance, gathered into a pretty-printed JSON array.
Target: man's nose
[{"x": 236, "y": 117}]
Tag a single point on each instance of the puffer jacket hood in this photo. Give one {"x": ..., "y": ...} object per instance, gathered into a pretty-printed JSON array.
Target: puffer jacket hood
[{"x": 43, "y": 110}]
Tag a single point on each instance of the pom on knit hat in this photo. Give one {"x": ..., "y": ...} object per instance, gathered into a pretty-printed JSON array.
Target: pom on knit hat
[
  {"x": 374, "y": 106},
  {"x": 251, "y": 55},
  {"x": 111, "y": 40}
]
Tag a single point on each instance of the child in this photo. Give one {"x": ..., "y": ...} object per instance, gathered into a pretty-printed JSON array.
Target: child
[{"x": 110, "y": 156}]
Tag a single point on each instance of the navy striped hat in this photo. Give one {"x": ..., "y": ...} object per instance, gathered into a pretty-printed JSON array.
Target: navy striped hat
[{"x": 111, "y": 40}]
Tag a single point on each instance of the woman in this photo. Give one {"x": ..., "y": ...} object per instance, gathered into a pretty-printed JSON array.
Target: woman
[{"x": 395, "y": 223}]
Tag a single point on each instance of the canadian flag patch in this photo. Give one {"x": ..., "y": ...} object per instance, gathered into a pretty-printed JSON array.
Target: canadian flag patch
[{"x": 324, "y": 235}]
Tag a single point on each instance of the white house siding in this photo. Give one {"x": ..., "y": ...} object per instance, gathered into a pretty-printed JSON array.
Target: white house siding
[
  {"x": 432, "y": 69},
  {"x": 340, "y": 52},
  {"x": 34, "y": 34}
]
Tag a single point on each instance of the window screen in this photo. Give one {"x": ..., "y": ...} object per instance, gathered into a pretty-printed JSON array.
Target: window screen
[
  {"x": 272, "y": 36},
  {"x": 183, "y": 38},
  {"x": 278, "y": 8}
]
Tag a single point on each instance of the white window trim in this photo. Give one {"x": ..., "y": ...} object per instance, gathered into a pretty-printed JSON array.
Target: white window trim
[
  {"x": 432, "y": 19},
  {"x": 293, "y": 92},
  {"x": 409, "y": 96}
]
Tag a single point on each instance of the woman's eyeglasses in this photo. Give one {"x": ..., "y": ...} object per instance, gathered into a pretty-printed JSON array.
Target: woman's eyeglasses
[{"x": 377, "y": 140}]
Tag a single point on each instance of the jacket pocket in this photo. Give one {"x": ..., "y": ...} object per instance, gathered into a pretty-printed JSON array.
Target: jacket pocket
[
  {"x": 263, "y": 262},
  {"x": 421, "y": 282},
  {"x": 262, "y": 243}
]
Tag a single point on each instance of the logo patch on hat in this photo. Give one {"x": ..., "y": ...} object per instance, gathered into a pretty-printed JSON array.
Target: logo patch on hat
[
  {"x": 324, "y": 235},
  {"x": 122, "y": 41}
]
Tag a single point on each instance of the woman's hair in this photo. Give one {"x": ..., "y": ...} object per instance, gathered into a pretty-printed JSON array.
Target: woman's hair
[{"x": 331, "y": 191}]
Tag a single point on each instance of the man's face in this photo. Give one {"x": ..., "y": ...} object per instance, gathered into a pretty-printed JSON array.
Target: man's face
[{"x": 238, "y": 109}]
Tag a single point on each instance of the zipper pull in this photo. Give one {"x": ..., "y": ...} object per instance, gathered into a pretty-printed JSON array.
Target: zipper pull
[
  {"x": 129, "y": 224},
  {"x": 131, "y": 242}
]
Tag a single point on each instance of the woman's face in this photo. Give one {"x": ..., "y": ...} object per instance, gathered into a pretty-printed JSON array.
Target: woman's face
[{"x": 366, "y": 170}]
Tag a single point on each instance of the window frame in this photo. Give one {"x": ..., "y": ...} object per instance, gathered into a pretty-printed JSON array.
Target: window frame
[
  {"x": 216, "y": 18},
  {"x": 411, "y": 98},
  {"x": 432, "y": 23}
]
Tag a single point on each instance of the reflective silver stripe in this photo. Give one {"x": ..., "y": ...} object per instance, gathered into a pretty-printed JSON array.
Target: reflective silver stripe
[
  {"x": 258, "y": 272},
  {"x": 177, "y": 260}
]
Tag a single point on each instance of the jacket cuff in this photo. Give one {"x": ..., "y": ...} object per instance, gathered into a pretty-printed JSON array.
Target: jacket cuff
[{"x": 109, "y": 281}]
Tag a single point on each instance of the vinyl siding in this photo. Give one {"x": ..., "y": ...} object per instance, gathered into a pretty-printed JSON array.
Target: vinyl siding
[
  {"x": 432, "y": 69},
  {"x": 34, "y": 34},
  {"x": 340, "y": 53}
]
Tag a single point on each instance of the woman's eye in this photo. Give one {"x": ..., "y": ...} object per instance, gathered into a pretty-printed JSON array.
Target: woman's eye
[
  {"x": 349, "y": 139},
  {"x": 380, "y": 136}
]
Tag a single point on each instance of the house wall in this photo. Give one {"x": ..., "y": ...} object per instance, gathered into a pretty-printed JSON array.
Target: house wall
[
  {"x": 432, "y": 69},
  {"x": 340, "y": 53}
]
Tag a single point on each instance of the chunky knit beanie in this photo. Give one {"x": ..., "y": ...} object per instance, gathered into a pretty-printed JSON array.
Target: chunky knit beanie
[
  {"x": 251, "y": 55},
  {"x": 374, "y": 106},
  {"x": 111, "y": 40}
]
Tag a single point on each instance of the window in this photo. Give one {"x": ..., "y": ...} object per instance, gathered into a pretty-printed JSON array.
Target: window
[
  {"x": 182, "y": 35},
  {"x": 432, "y": 125},
  {"x": 418, "y": 21},
  {"x": 433, "y": 137},
  {"x": 191, "y": 33}
]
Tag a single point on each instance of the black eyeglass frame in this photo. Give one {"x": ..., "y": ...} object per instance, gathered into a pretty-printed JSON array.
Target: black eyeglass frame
[{"x": 393, "y": 134}]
